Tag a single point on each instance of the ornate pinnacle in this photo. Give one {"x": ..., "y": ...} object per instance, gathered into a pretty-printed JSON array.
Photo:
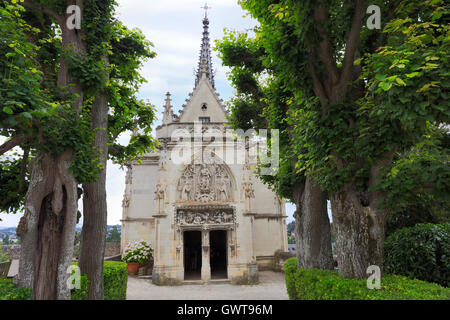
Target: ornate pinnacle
[
  {"x": 205, "y": 52},
  {"x": 168, "y": 112}
]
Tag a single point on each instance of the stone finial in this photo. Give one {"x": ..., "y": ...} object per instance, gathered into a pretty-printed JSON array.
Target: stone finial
[{"x": 168, "y": 111}]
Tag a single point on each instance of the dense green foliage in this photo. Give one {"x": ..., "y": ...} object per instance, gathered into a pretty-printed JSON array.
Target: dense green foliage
[
  {"x": 415, "y": 214},
  {"x": 315, "y": 284},
  {"x": 404, "y": 65},
  {"x": 420, "y": 252},
  {"x": 34, "y": 108},
  {"x": 116, "y": 280},
  {"x": 21, "y": 96},
  {"x": 363, "y": 113},
  {"x": 115, "y": 277},
  {"x": 290, "y": 267},
  {"x": 8, "y": 291}
]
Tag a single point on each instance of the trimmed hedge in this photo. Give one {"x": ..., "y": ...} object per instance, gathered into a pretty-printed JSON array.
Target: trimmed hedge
[
  {"x": 421, "y": 252},
  {"x": 8, "y": 291},
  {"x": 115, "y": 281},
  {"x": 315, "y": 284},
  {"x": 115, "y": 277}
]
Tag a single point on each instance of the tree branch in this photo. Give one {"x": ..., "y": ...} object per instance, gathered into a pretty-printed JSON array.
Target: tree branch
[
  {"x": 321, "y": 17},
  {"x": 318, "y": 86},
  {"x": 35, "y": 6},
  {"x": 12, "y": 143},
  {"x": 352, "y": 43}
]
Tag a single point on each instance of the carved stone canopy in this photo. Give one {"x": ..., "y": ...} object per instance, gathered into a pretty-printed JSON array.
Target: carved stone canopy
[{"x": 205, "y": 183}]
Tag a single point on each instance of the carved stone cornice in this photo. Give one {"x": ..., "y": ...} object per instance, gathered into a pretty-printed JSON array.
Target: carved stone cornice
[
  {"x": 138, "y": 220},
  {"x": 205, "y": 217}
]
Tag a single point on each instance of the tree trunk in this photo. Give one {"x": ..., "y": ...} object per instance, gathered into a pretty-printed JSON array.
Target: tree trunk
[
  {"x": 312, "y": 227},
  {"x": 47, "y": 229},
  {"x": 359, "y": 232},
  {"x": 93, "y": 236}
]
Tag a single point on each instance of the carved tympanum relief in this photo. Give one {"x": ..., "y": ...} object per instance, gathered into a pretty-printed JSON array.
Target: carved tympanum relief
[{"x": 205, "y": 183}]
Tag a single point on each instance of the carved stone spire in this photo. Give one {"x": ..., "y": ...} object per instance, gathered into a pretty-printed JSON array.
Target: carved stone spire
[
  {"x": 168, "y": 112},
  {"x": 205, "y": 53}
]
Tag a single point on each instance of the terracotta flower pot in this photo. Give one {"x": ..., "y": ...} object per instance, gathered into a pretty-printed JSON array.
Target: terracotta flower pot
[{"x": 133, "y": 268}]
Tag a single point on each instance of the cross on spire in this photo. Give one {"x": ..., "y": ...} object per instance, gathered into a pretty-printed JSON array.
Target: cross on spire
[
  {"x": 205, "y": 61},
  {"x": 206, "y": 8}
]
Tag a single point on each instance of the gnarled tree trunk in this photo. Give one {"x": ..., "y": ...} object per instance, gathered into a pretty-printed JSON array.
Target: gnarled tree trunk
[
  {"x": 93, "y": 236},
  {"x": 359, "y": 233},
  {"x": 312, "y": 227},
  {"x": 47, "y": 229}
]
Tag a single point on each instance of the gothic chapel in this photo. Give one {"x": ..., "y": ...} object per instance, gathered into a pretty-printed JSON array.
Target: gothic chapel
[{"x": 206, "y": 218}]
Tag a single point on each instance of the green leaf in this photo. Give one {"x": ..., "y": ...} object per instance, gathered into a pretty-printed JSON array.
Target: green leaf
[{"x": 8, "y": 110}]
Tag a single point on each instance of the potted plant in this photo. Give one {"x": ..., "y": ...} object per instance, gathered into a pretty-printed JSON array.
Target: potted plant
[
  {"x": 5, "y": 264},
  {"x": 136, "y": 254}
]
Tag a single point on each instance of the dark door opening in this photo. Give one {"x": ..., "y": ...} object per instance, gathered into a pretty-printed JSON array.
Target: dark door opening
[
  {"x": 192, "y": 255},
  {"x": 218, "y": 254}
]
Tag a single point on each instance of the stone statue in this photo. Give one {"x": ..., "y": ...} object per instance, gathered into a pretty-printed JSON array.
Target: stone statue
[
  {"x": 222, "y": 193},
  {"x": 249, "y": 191},
  {"x": 126, "y": 201},
  {"x": 205, "y": 178},
  {"x": 186, "y": 192},
  {"x": 159, "y": 197},
  {"x": 249, "y": 194},
  {"x": 159, "y": 193}
]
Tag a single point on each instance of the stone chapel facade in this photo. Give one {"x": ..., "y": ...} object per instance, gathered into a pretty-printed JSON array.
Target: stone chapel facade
[{"x": 206, "y": 217}]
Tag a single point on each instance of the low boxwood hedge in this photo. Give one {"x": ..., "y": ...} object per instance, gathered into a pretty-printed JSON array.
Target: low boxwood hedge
[
  {"x": 315, "y": 284},
  {"x": 115, "y": 282},
  {"x": 115, "y": 277}
]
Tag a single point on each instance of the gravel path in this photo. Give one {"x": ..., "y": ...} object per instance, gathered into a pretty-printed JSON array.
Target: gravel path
[{"x": 271, "y": 287}]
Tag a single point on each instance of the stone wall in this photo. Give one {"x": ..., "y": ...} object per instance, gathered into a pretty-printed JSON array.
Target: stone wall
[
  {"x": 111, "y": 249},
  {"x": 12, "y": 250}
]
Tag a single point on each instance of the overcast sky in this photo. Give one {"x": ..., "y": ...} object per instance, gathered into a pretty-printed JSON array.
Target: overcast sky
[{"x": 175, "y": 28}]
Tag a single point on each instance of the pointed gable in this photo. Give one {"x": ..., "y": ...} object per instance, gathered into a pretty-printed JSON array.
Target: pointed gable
[{"x": 204, "y": 103}]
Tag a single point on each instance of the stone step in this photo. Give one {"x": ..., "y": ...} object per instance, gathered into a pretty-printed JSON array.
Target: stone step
[{"x": 201, "y": 282}]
